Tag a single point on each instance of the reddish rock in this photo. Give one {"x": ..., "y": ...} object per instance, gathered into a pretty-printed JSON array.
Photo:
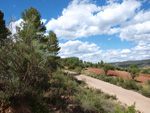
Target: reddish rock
[
  {"x": 96, "y": 70},
  {"x": 142, "y": 78},
  {"x": 125, "y": 75}
]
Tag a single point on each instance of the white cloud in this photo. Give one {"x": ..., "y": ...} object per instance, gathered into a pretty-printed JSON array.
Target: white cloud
[
  {"x": 83, "y": 50},
  {"x": 113, "y": 31},
  {"x": 137, "y": 29},
  {"x": 44, "y": 21},
  {"x": 142, "y": 46},
  {"x": 12, "y": 26},
  {"x": 137, "y": 32},
  {"x": 82, "y": 18},
  {"x": 77, "y": 48},
  {"x": 125, "y": 51},
  {"x": 93, "y": 53}
]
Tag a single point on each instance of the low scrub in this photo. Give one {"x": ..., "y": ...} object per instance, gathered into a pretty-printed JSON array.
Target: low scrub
[{"x": 127, "y": 84}]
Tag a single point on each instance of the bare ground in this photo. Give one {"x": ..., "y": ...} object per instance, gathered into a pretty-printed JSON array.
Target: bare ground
[{"x": 127, "y": 97}]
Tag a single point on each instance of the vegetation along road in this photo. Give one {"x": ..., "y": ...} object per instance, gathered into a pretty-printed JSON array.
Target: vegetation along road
[{"x": 127, "y": 97}]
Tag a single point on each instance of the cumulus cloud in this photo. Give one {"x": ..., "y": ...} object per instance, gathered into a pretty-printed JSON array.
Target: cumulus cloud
[
  {"x": 142, "y": 46},
  {"x": 77, "y": 48},
  {"x": 125, "y": 51},
  {"x": 136, "y": 32},
  {"x": 93, "y": 53},
  {"x": 83, "y": 18},
  {"x": 138, "y": 28},
  {"x": 12, "y": 26},
  {"x": 43, "y": 21}
]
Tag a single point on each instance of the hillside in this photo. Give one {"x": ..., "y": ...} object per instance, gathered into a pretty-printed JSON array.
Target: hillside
[{"x": 141, "y": 63}]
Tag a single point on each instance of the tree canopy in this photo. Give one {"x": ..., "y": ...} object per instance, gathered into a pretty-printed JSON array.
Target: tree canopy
[
  {"x": 28, "y": 16},
  {"x": 4, "y": 32},
  {"x": 52, "y": 43}
]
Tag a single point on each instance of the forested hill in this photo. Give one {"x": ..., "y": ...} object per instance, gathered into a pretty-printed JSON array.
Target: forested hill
[{"x": 141, "y": 63}]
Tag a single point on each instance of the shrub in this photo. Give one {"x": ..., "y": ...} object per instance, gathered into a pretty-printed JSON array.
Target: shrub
[
  {"x": 63, "y": 86},
  {"x": 146, "y": 91},
  {"x": 130, "y": 84},
  {"x": 121, "y": 80},
  {"x": 24, "y": 66},
  {"x": 145, "y": 71},
  {"x": 131, "y": 109},
  {"x": 107, "y": 67},
  {"x": 78, "y": 69},
  {"x": 148, "y": 82},
  {"x": 92, "y": 100},
  {"x": 134, "y": 70}
]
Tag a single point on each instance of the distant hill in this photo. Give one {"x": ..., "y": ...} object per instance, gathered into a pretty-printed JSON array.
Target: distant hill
[{"x": 141, "y": 63}]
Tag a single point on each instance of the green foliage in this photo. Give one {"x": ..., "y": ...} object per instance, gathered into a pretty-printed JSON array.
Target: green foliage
[
  {"x": 52, "y": 46},
  {"x": 28, "y": 16},
  {"x": 92, "y": 100},
  {"x": 78, "y": 69},
  {"x": 148, "y": 82},
  {"x": 131, "y": 109},
  {"x": 146, "y": 91},
  {"x": 4, "y": 32},
  {"x": 62, "y": 85},
  {"x": 133, "y": 66},
  {"x": 37, "y": 104},
  {"x": 134, "y": 70},
  {"x": 72, "y": 62},
  {"x": 101, "y": 64},
  {"x": 107, "y": 67},
  {"x": 145, "y": 71},
  {"x": 52, "y": 43},
  {"x": 32, "y": 18},
  {"x": 127, "y": 84},
  {"x": 131, "y": 84},
  {"x": 24, "y": 66}
]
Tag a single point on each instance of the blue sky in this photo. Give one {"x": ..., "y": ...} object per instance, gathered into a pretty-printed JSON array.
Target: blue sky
[{"x": 93, "y": 30}]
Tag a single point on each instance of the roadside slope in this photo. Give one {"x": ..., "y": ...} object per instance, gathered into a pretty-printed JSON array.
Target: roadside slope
[{"x": 124, "y": 96}]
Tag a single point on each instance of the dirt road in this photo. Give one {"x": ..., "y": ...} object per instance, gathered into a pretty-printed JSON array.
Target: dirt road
[{"x": 127, "y": 97}]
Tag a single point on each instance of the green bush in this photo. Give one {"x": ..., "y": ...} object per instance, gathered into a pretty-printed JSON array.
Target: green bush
[
  {"x": 24, "y": 66},
  {"x": 96, "y": 101},
  {"x": 146, "y": 91},
  {"x": 38, "y": 106},
  {"x": 131, "y": 109},
  {"x": 62, "y": 85},
  {"x": 107, "y": 67},
  {"x": 78, "y": 69},
  {"x": 121, "y": 80},
  {"x": 145, "y": 71},
  {"x": 148, "y": 82},
  {"x": 130, "y": 84}
]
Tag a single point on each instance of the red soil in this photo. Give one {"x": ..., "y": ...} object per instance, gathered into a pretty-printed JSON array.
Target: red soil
[
  {"x": 142, "y": 78},
  {"x": 96, "y": 70},
  {"x": 125, "y": 75}
]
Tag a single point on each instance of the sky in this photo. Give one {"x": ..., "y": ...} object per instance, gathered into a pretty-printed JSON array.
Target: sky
[{"x": 93, "y": 30}]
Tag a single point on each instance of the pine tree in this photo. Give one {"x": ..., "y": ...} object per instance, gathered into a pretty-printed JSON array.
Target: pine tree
[
  {"x": 52, "y": 43},
  {"x": 4, "y": 32},
  {"x": 52, "y": 46},
  {"x": 32, "y": 18},
  {"x": 28, "y": 16}
]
